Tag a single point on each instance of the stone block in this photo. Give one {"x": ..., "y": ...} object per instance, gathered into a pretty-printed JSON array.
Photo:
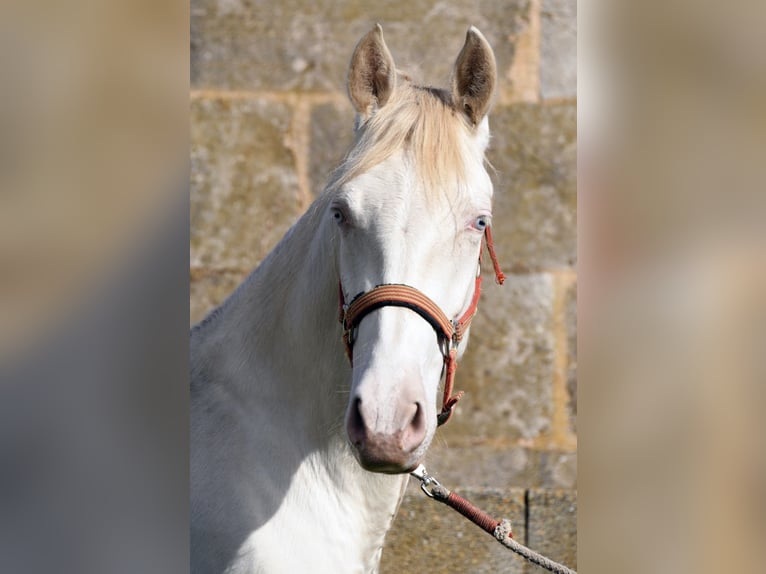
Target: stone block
[
  {"x": 428, "y": 536},
  {"x": 244, "y": 186},
  {"x": 332, "y": 126},
  {"x": 294, "y": 45},
  {"x": 558, "y": 49},
  {"x": 552, "y": 526},
  {"x": 533, "y": 149},
  {"x": 492, "y": 466},
  {"x": 508, "y": 369},
  {"x": 208, "y": 291}
]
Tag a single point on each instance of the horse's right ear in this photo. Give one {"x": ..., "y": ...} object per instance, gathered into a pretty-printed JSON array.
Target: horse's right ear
[{"x": 372, "y": 75}]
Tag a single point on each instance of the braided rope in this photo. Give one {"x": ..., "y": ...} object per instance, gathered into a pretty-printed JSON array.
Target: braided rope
[
  {"x": 464, "y": 507},
  {"x": 500, "y": 529},
  {"x": 502, "y": 535},
  {"x": 499, "y": 275}
]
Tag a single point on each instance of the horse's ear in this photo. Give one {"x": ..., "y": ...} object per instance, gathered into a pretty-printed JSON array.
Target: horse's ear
[
  {"x": 474, "y": 77},
  {"x": 372, "y": 75}
]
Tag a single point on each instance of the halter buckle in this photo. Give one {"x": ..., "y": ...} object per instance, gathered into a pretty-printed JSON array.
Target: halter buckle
[{"x": 349, "y": 335}]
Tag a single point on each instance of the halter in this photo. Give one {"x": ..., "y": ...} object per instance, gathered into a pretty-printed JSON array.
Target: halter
[{"x": 449, "y": 332}]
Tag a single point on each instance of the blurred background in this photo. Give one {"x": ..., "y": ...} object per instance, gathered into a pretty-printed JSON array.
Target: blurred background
[
  {"x": 270, "y": 119},
  {"x": 672, "y": 189},
  {"x": 94, "y": 286}
]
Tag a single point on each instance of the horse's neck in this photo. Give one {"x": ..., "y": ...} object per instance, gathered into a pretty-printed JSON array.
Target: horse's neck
[
  {"x": 278, "y": 337},
  {"x": 274, "y": 351},
  {"x": 273, "y": 357}
]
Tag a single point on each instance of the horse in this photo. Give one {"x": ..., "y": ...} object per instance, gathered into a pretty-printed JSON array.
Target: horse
[{"x": 303, "y": 427}]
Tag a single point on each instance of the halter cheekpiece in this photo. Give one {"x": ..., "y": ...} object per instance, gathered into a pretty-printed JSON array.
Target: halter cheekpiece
[{"x": 449, "y": 332}]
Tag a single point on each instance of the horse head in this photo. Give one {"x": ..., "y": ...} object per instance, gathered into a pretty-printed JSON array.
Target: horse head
[{"x": 410, "y": 205}]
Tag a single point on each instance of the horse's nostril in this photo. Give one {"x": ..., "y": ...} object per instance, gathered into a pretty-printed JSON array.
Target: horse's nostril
[
  {"x": 355, "y": 426},
  {"x": 418, "y": 422},
  {"x": 416, "y": 429}
]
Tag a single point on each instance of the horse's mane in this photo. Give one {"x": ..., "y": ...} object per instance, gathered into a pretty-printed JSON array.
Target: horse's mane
[{"x": 422, "y": 120}]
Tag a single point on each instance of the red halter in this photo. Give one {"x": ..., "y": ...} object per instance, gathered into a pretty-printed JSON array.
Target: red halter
[{"x": 449, "y": 332}]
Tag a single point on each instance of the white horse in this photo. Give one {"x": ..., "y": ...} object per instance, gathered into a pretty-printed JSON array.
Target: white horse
[{"x": 284, "y": 431}]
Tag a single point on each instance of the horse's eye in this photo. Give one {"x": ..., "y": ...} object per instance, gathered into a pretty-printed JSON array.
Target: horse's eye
[
  {"x": 338, "y": 215},
  {"x": 481, "y": 222}
]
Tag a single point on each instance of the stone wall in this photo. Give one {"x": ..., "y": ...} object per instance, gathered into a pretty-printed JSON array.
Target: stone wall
[{"x": 270, "y": 119}]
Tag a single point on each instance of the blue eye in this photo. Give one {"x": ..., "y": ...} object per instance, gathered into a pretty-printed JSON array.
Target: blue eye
[{"x": 481, "y": 222}]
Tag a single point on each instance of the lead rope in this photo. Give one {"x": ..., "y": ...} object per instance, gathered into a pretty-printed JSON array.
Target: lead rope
[{"x": 500, "y": 529}]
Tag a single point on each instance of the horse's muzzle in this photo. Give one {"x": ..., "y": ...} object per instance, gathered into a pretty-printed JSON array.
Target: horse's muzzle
[{"x": 387, "y": 452}]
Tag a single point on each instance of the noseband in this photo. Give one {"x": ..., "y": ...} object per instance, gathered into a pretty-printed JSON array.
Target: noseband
[{"x": 449, "y": 332}]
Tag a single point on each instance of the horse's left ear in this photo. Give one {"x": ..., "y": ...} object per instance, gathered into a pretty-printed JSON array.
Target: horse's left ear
[{"x": 474, "y": 77}]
